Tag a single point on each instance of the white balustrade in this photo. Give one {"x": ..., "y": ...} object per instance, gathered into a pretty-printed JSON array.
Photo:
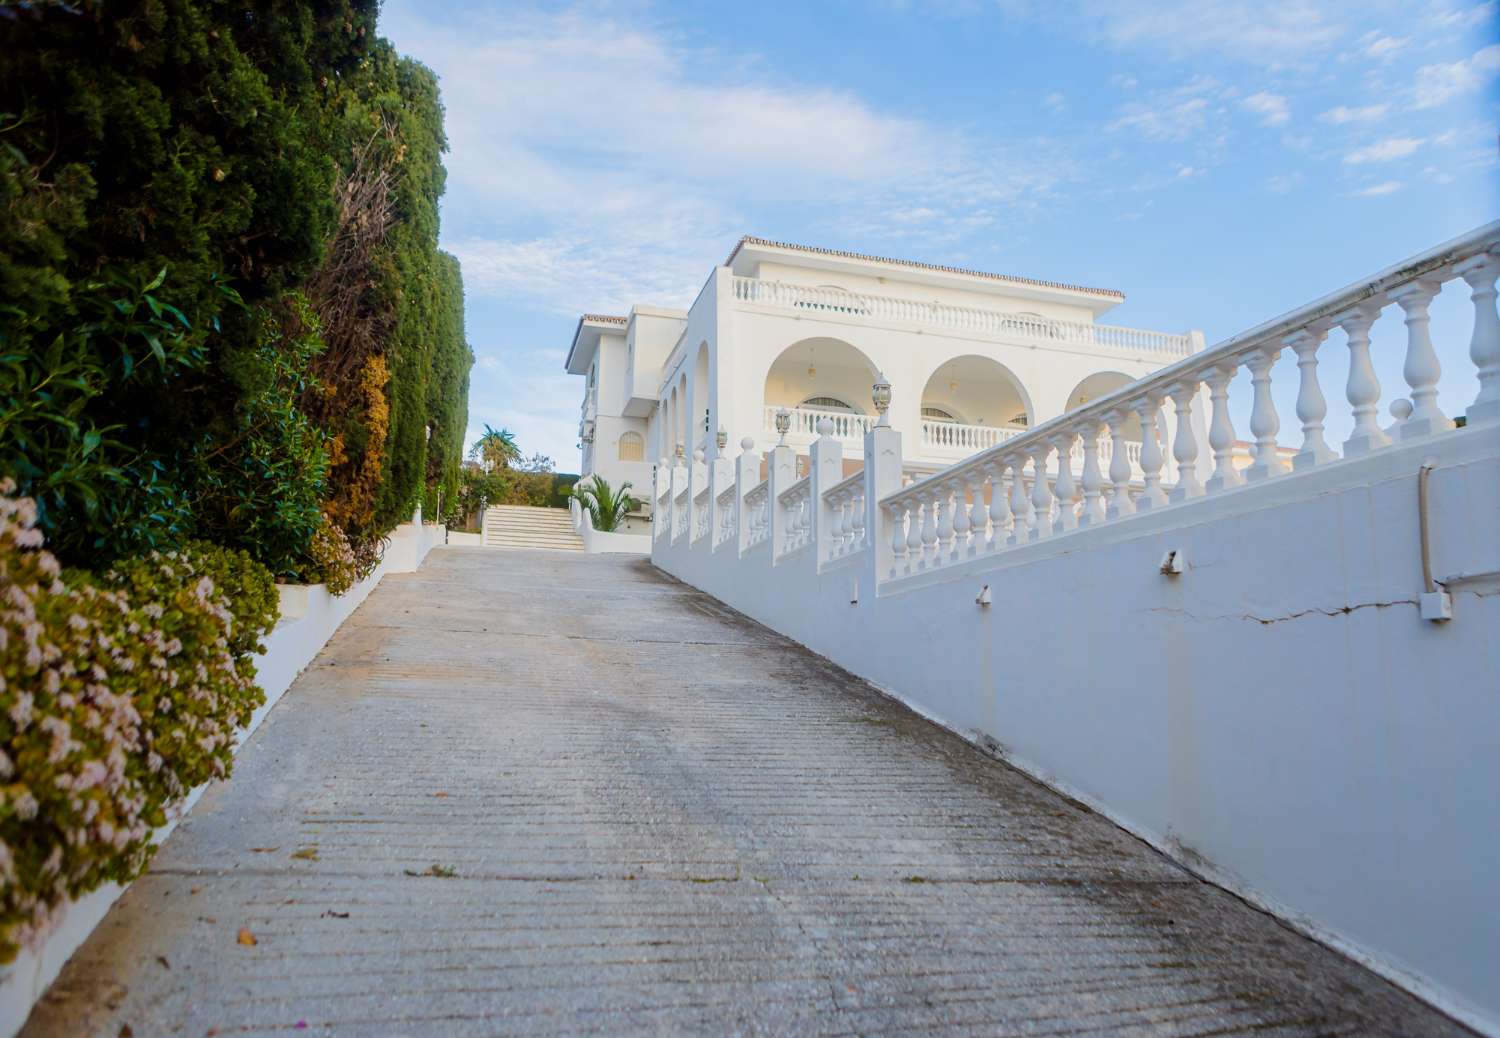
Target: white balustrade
[
  {"x": 963, "y": 440},
  {"x": 757, "y": 514},
  {"x": 701, "y": 513},
  {"x": 844, "y": 503},
  {"x": 796, "y": 505},
  {"x": 1033, "y": 497},
  {"x": 726, "y": 531},
  {"x": 847, "y": 427},
  {"x": 843, "y": 305}
]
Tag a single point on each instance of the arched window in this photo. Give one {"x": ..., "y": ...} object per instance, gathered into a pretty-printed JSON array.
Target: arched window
[
  {"x": 827, "y": 403},
  {"x": 632, "y": 447},
  {"x": 937, "y": 414}
]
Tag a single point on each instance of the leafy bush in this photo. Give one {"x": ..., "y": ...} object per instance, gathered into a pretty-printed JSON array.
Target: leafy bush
[
  {"x": 607, "y": 505},
  {"x": 117, "y": 696},
  {"x": 99, "y": 491},
  {"x": 259, "y": 468}
]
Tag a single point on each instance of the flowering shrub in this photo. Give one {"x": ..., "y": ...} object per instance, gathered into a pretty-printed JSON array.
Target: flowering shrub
[
  {"x": 333, "y": 561},
  {"x": 117, "y": 696}
]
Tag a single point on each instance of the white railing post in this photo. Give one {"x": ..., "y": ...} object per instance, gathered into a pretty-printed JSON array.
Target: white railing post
[
  {"x": 1362, "y": 389},
  {"x": 1484, "y": 347},
  {"x": 1119, "y": 504},
  {"x": 1221, "y": 429},
  {"x": 781, "y": 473},
  {"x": 826, "y": 469},
  {"x": 1185, "y": 443},
  {"x": 1067, "y": 489},
  {"x": 1312, "y": 408},
  {"x": 746, "y": 476},
  {"x": 1265, "y": 423},
  {"x": 1093, "y": 477},
  {"x": 1422, "y": 368},
  {"x": 882, "y": 477},
  {"x": 1152, "y": 460}
]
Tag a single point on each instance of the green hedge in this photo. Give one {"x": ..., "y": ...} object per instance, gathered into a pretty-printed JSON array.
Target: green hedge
[{"x": 187, "y": 160}]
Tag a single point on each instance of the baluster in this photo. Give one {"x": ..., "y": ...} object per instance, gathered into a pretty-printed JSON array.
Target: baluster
[
  {"x": 1067, "y": 490},
  {"x": 977, "y": 512},
  {"x": 1020, "y": 503},
  {"x": 896, "y": 516},
  {"x": 929, "y": 531},
  {"x": 999, "y": 506},
  {"x": 1093, "y": 478},
  {"x": 1264, "y": 421},
  {"x": 1119, "y": 467},
  {"x": 916, "y": 522},
  {"x": 1422, "y": 369},
  {"x": 1185, "y": 443},
  {"x": 1152, "y": 460},
  {"x": 858, "y": 520},
  {"x": 960, "y": 519},
  {"x": 1041, "y": 494},
  {"x": 944, "y": 524},
  {"x": 1484, "y": 347},
  {"x": 1311, "y": 407},
  {"x": 1221, "y": 430}
]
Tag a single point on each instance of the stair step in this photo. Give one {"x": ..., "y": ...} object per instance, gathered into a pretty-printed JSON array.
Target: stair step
[{"x": 523, "y": 526}]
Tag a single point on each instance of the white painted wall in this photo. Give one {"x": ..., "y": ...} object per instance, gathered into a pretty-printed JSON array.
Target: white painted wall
[
  {"x": 1278, "y": 717},
  {"x": 744, "y": 339}
]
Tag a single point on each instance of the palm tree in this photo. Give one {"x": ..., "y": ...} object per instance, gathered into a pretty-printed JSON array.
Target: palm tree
[
  {"x": 607, "y": 506},
  {"x": 496, "y": 448}
]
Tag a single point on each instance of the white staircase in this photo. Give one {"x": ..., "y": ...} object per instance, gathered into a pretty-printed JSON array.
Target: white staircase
[{"x": 520, "y": 526}]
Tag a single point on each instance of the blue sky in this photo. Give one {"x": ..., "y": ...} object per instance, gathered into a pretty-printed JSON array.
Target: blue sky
[{"x": 1217, "y": 161}]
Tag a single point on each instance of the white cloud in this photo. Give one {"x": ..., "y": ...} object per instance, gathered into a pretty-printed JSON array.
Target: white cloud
[
  {"x": 1283, "y": 183},
  {"x": 1056, "y": 101},
  {"x": 1274, "y": 33},
  {"x": 1168, "y": 115},
  {"x": 621, "y": 173},
  {"x": 1380, "y": 47},
  {"x": 1388, "y": 150},
  {"x": 1388, "y": 187},
  {"x": 1344, "y": 114},
  {"x": 1440, "y": 83},
  {"x": 1272, "y": 108}
]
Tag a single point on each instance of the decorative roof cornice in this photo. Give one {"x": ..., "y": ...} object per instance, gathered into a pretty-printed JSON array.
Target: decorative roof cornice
[
  {"x": 839, "y": 253},
  {"x": 603, "y": 319}
]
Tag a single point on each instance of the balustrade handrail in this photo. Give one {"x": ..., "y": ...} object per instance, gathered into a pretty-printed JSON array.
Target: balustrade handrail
[
  {"x": 789, "y": 295},
  {"x": 1196, "y": 368},
  {"x": 856, "y": 481},
  {"x": 758, "y": 493},
  {"x": 796, "y": 492},
  {"x": 726, "y": 496}
]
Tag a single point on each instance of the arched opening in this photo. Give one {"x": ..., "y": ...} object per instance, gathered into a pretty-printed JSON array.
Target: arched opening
[
  {"x": 974, "y": 390},
  {"x": 680, "y": 433},
  {"x": 700, "y": 430},
  {"x": 821, "y": 374},
  {"x": 632, "y": 447},
  {"x": 1095, "y": 386}
]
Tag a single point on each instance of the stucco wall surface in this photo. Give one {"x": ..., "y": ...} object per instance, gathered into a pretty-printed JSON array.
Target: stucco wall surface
[{"x": 1278, "y": 717}]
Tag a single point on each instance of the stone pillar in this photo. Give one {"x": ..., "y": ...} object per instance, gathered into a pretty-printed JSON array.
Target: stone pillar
[
  {"x": 826, "y": 465},
  {"x": 746, "y": 477},
  {"x": 781, "y": 473},
  {"x": 882, "y": 477}
]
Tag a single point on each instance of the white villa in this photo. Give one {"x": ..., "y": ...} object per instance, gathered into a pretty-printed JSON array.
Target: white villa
[{"x": 972, "y": 358}]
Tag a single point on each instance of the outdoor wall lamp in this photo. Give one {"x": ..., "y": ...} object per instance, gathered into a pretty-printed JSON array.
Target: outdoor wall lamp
[{"x": 880, "y": 394}]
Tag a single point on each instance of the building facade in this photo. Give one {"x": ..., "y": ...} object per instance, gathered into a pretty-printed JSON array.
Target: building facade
[{"x": 972, "y": 358}]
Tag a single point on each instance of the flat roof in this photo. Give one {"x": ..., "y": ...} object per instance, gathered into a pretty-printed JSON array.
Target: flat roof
[
  {"x": 753, "y": 242},
  {"x": 590, "y": 327}
]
